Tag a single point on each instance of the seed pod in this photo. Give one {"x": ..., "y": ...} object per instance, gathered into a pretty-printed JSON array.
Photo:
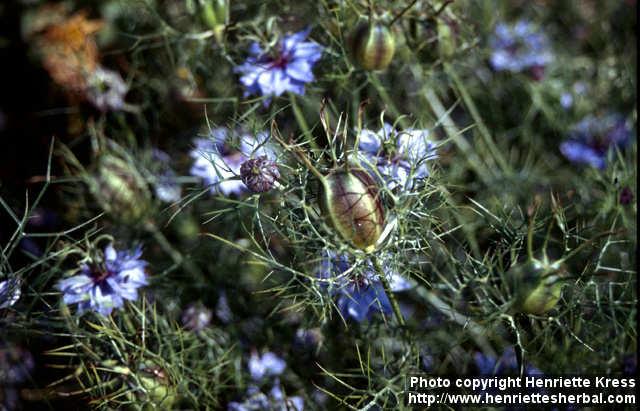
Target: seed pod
[
  {"x": 372, "y": 45},
  {"x": 119, "y": 188},
  {"x": 259, "y": 174},
  {"x": 158, "y": 392},
  {"x": 351, "y": 203},
  {"x": 537, "y": 286}
]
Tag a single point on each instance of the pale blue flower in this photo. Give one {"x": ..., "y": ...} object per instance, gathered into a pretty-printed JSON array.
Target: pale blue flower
[
  {"x": 105, "y": 286},
  {"x": 288, "y": 67},
  {"x": 265, "y": 365},
  {"x": 400, "y": 156},
  {"x": 520, "y": 47},
  {"x": 506, "y": 364},
  {"x": 359, "y": 295},
  {"x": 166, "y": 186},
  {"x": 256, "y": 400},
  {"x": 592, "y": 138},
  {"x": 9, "y": 292},
  {"x": 218, "y": 160},
  {"x": 106, "y": 89}
]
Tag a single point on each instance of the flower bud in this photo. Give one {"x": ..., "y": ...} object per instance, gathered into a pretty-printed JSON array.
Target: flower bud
[
  {"x": 537, "y": 286},
  {"x": 372, "y": 45},
  {"x": 351, "y": 203},
  {"x": 259, "y": 174},
  {"x": 215, "y": 14}
]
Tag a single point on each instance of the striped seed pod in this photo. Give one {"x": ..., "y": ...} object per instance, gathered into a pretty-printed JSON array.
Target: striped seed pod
[
  {"x": 372, "y": 45},
  {"x": 351, "y": 203},
  {"x": 119, "y": 188}
]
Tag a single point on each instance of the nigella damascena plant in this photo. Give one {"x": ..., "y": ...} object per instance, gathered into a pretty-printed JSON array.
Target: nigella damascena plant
[
  {"x": 359, "y": 294},
  {"x": 103, "y": 285},
  {"x": 285, "y": 67},
  {"x": 400, "y": 157},
  {"x": 218, "y": 160},
  {"x": 591, "y": 140},
  {"x": 521, "y": 47}
]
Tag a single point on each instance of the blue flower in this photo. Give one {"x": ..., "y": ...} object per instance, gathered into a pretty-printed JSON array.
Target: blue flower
[
  {"x": 520, "y": 47},
  {"x": 506, "y": 364},
  {"x": 359, "y": 296},
  {"x": 166, "y": 186},
  {"x": 218, "y": 160},
  {"x": 592, "y": 138},
  {"x": 106, "y": 89},
  {"x": 103, "y": 287},
  {"x": 9, "y": 292},
  {"x": 256, "y": 400},
  {"x": 286, "y": 68},
  {"x": 196, "y": 317},
  {"x": 265, "y": 365},
  {"x": 399, "y": 156}
]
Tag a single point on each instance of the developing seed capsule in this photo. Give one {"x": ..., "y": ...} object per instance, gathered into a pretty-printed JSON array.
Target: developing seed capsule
[
  {"x": 351, "y": 203},
  {"x": 156, "y": 392},
  {"x": 119, "y": 188},
  {"x": 372, "y": 45},
  {"x": 537, "y": 286}
]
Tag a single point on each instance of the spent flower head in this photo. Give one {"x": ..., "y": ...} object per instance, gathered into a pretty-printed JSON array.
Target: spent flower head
[
  {"x": 218, "y": 161},
  {"x": 103, "y": 286},
  {"x": 259, "y": 174}
]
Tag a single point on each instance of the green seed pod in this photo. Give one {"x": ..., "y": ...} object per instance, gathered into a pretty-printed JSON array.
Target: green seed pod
[
  {"x": 537, "y": 286},
  {"x": 372, "y": 45},
  {"x": 447, "y": 37},
  {"x": 160, "y": 393},
  {"x": 351, "y": 203},
  {"x": 119, "y": 188}
]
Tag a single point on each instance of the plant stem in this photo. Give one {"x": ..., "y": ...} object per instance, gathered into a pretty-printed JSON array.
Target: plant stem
[
  {"x": 387, "y": 289},
  {"x": 473, "y": 110},
  {"x": 456, "y": 136},
  {"x": 297, "y": 112}
]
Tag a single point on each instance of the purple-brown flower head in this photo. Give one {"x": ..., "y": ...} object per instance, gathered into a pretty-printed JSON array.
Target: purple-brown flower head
[{"x": 259, "y": 174}]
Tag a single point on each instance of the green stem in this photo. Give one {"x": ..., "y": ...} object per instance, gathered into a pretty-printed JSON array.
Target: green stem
[
  {"x": 297, "y": 112},
  {"x": 387, "y": 289},
  {"x": 388, "y": 101},
  {"x": 456, "y": 136},
  {"x": 478, "y": 333},
  {"x": 473, "y": 110}
]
